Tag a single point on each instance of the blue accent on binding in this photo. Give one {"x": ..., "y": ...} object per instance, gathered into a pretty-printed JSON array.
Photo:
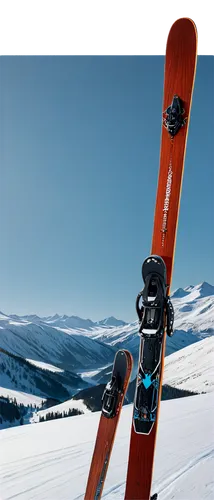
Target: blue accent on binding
[{"x": 147, "y": 381}]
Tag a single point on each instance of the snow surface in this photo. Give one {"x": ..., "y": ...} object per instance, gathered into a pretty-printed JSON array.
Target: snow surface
[
  {"x": 50, "y": 460},
  {"x": 195, "y": 310},
  {"x": 21, "y": 397},
  {"x": 191, "y": 368}
]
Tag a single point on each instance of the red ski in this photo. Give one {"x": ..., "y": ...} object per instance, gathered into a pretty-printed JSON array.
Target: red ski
[
  {"x": 113, "y": 397},
  {"x": 156, "y": 315}
]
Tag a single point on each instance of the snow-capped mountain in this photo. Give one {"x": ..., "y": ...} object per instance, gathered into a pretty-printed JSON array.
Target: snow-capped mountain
[
  {"x": 47, "y": 357},
  {"x": 65, "y": 321},
  {"x": 194, "y": 320},
  {"x": 111, "y": 322},
  {"x": 194, "y": 292},
  {"x": 65, "y": 348},
  {"x": 190, "y": 370},
  {"x": 79, "y": 345}
]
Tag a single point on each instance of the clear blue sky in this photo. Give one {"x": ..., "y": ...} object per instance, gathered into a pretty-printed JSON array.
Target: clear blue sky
[{"x": 79, "y": 155}]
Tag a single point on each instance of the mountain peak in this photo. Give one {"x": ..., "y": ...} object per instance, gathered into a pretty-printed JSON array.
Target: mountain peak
[
  {"x": 179, "y": 293},
  {"x": 111, "y": 321},
  {"x": 205, "y": 289},
  {"x": 56, "y": 316}
]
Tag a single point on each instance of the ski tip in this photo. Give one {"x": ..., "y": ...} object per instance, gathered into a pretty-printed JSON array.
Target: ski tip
[
  {"x": 186, "y": 23},
  {"x": 177, "y": 18}
]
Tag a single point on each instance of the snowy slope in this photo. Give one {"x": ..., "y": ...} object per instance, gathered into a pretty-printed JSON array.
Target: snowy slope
[
  {"x": 19, "y": 375},
  {"x": 45, "y": 366},
  {"x": 60, "y": 408},
  {"x": 38, "y": 341},
  {"x": 21, "y": 397},
  {"x": 192, "y": 368},
  {"x": 194, "y": 311},
  {"x": 50, "y": 460}
]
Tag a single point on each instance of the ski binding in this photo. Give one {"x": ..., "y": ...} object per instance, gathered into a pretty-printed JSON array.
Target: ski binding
[
  {"x": 110, "y": 398},
  {"x": 155, "y": 314},
  {"x": 155, "y": 302},
  {"x": 173, "y": 116}
]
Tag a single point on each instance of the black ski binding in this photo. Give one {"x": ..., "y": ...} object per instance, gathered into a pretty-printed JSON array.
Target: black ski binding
[
  {"x": 155, "y": 313},
  {"x": 155, "y": 301},
  {"x": 172, "y": 116},
  {"x": 110, "y": 398}
]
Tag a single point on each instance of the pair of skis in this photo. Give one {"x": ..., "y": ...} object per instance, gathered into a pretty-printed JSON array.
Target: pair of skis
[
  {"x": 155, "y": 304},
  {"x": 154, "y": 309}
]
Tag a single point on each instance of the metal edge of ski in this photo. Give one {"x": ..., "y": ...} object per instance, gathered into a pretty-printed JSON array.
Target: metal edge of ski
[{"x": 112, "y": 401}]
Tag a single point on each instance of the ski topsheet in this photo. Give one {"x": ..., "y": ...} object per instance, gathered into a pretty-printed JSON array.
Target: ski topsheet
[
  {"x": 112, "y": 401},
  {"x": 180, "y": 67}
]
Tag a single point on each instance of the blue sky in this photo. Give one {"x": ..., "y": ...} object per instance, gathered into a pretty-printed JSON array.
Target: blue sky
[{"x": 79, "y": 153}]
